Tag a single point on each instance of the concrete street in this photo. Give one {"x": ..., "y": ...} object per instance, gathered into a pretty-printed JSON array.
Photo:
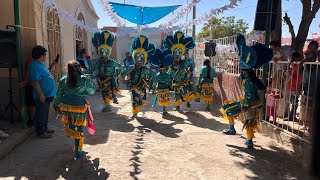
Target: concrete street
[{"x": 186, "y": 145}]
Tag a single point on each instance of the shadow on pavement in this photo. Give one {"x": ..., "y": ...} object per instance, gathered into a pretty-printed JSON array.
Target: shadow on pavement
[
  {"x": 105, "y": 123},
  {"x": 166, "y": 130},
  {"x": 61, "y": 166},
  {"x": 199, "y": 120},
  {"x": 137, "y": 152},
  {"x": 83, "y": 168},
  {"x": 173, "y": 118},
  {"x": 276, "y": 163}
]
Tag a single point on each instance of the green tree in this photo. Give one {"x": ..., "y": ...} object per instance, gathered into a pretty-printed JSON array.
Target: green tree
[
  {"x": 225, "y": 26},
  {"x": 309, "y": 11}
]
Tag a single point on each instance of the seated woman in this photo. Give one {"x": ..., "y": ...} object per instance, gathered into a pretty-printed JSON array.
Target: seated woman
[
  {"x": 205, "y": 84},
  {"x": 71, "y": 102}
]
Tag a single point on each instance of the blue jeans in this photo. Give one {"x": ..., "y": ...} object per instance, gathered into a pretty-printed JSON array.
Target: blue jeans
[{"x": 41, "y": 117}]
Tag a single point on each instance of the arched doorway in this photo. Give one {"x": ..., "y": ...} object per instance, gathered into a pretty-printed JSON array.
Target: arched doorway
[
  {"x": 54, "y": 41},
  {"x": 81, "y": 36}
]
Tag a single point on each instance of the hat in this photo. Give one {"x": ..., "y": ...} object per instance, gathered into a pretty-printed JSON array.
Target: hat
[
  {"x": 103, "y": 42},
  {"x": 178, "y": 44},
  {"x": 141, "y": 49}
]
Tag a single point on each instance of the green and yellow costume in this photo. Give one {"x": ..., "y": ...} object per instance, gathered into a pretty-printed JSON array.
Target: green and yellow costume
[
  {"x": 73, "y": 105},
  {"x": 175, "y": 46},
  {"x": 205, "y": 86},
  {"x": 247, "y": 109},
  {"x": 140, "y": 75},
  {"x": 162, "y": 83},
  {"x": 106, "y": 67}
]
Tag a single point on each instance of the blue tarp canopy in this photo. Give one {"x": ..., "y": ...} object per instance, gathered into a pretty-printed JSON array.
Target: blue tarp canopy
[{"x": 141, "y": 15}]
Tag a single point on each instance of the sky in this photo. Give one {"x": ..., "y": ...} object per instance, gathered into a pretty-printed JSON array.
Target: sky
[{"x": 245, "y": 10}]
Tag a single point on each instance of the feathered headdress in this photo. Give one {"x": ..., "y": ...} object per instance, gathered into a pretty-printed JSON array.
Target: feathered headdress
[
  {"x": 157, "y": 59},
  {"x": 141, "y": 49},
  {"x": 103, "y": 42},
  {"x": 178, "y": 44},
  {"x": 254, "y": 56}
]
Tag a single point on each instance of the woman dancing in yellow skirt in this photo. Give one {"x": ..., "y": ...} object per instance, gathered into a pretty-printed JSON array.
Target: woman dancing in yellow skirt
[
  {"x": 205, "y": 84},
  {"x": 71, "y": 102}
]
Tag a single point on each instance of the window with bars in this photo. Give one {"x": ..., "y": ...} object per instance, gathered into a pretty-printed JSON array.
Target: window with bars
[
  {"x": 81, "y": 36},
  {"x": 54, "y": 41}
]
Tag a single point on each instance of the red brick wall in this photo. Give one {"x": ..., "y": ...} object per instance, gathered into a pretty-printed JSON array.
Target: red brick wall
[
  {"x": 114, "y": 47},
  {"x": 228, "y": 86}
]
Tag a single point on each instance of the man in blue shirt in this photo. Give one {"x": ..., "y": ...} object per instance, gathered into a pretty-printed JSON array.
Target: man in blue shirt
[
  {"x": 127, "y": 62},
  {"x": 83, "y": 60},
  {"x": 44, "y": 90}
]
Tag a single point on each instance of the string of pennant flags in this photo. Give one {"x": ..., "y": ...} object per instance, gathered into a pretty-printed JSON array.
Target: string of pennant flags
[
  {"x": 177, "y": 16},
  {"x": 163, "y": 28}
]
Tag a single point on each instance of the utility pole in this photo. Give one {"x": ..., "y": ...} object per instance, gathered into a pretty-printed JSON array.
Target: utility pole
[
  {"x": 267, "y": 41},
  {"x": 187, "y": 19},
  {"x": 194, "y": 17},
  {"x": 20, "y": 65},
  {"x": 194, "y": 29}
]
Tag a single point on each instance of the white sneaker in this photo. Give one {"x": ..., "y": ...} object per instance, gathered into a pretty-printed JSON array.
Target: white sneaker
[{"x": 3, "y": 135}]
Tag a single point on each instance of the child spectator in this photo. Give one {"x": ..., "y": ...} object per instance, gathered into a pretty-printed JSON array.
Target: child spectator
[
  {"x": 271, "y": 105},
  {"x": 278, "y": 68},
  {"x": 294, "y": 84}
]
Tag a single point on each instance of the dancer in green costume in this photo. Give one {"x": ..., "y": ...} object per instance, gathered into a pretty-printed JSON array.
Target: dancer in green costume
[
  {"x": 175, "y": 46},
  {"x": 140, "y": 75},
  {"x": 106, "y": 67},
  {"x": 71, "y": 102}
]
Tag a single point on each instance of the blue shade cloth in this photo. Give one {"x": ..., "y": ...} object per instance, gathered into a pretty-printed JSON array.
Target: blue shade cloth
[{"x": 141, "y": 15}]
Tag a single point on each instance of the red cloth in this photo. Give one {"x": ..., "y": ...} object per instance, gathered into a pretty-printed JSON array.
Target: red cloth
[
  {"x": 90, "y": 128},
  {"x": 26, "y": 68},
  {"x": 271, "y": 111},
  {"x": 271, "y": 99},
  {"x": 295, "y": 81},
  {"x": 88, "y": 58}
]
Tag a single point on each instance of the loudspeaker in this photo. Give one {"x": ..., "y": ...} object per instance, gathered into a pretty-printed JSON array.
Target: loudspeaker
[
  {"x": 8, "y": 52},
  {"x": 261, "y": 15},
  {"x": 210, "y": 49}
]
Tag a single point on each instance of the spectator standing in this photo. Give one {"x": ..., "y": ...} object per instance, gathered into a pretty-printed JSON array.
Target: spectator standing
[
  {"x": 83, "y": 60},
  {"x": 89, "y": 60},
  {"x": 294, "y": 85},
  {"x": 127, "y": 62},
  {"x": 311, "y": 77},
  {"x": 278, "y": 78},
  {"x": 44, "y": 89},
  {"x": 27, "y": 85}
]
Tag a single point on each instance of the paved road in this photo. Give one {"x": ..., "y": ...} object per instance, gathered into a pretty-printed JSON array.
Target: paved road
[{"x": 186, "y": 145}]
